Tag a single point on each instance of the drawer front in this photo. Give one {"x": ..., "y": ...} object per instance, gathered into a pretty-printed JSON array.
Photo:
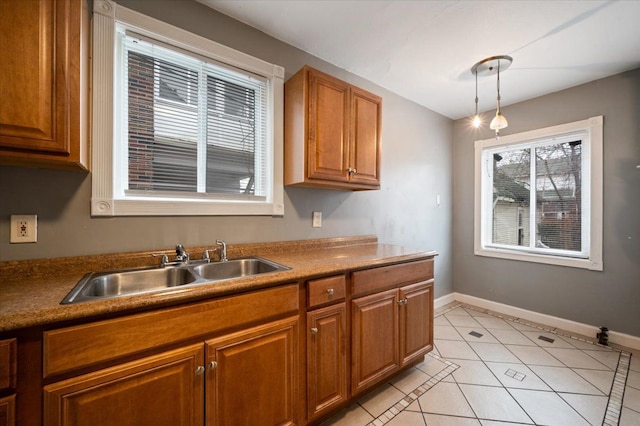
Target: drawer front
[
  {"x": 378, "y": 279},
  {"x": 90, "y": 344},
  {"x": 326, "y": 290},
  {"x": 8, "y": 364}
]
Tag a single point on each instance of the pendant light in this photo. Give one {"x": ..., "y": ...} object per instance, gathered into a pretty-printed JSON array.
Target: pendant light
[
  {"x": 490, "y": 66},
  {"x": 476, "y": 118}
]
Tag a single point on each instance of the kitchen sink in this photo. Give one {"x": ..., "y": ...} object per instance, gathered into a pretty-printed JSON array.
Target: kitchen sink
[
  {"x": 236, "y": 268},
  {"x": 110, "y": 284},
  {"x": 119, "y": 283}
]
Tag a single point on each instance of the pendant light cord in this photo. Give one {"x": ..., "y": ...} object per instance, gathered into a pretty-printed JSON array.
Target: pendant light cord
[
  {"x": 498, "y": 112},
  {"x": 476, "y": 73}
]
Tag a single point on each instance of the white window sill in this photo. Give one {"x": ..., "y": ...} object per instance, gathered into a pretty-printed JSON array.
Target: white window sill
[{"x": 540, "y": 258}]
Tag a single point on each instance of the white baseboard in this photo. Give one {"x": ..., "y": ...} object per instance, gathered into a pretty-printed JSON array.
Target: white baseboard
[
  {"x": 623, "y": 339},
  {"x": 444, "y": 300}
]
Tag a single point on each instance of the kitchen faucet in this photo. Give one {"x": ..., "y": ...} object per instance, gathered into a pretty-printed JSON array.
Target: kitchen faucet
[
  {"x": 181, "y": 255},
  {"x": 223, "y": 250}
]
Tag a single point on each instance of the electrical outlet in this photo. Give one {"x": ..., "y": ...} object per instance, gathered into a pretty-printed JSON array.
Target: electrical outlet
[
  {"x": 317, "y": 220},
  {"x": 24, "y": 229}
]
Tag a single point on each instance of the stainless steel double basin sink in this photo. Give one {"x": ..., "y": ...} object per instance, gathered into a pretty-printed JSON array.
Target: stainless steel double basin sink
[{"x": 109, "y": 284}]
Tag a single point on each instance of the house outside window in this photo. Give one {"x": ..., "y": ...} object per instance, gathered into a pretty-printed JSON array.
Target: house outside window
[
  {"x": 539, "y": 195},
  {"x": 192, "y": 127}
]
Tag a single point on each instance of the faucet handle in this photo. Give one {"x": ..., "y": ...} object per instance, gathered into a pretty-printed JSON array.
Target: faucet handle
[
  {"x": 206, "y": 256},
  {"x": 164, "y": 259}
]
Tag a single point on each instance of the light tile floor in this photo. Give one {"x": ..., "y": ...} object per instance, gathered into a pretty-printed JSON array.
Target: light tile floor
[{"x": 488, "y": 369}]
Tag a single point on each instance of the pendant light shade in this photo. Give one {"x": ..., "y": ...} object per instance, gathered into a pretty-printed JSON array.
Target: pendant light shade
[
  {"x": 498, "y": 122},
  {"x": 490, "y": 66}
]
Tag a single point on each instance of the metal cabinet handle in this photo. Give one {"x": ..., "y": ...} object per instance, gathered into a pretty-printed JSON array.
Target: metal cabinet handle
[
  {"x": 402, "y": 301},
  {"x": 351, "y": 170},
  {"x": 314, "y": 330},
  {"x": 213, "y": 365},
  {"x": 199, "y": 370},
  {"x": 330, "y": 291}
]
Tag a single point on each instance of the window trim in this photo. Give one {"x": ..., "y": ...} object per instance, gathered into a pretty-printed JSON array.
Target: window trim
[
  {"x": 594, "y": 127},
  {"x": 105, "y": 200}
]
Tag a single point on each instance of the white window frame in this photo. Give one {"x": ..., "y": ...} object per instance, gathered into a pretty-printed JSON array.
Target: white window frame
[
  {"x": 108, "y": 197},
  {"x": 591, "y": 258}
]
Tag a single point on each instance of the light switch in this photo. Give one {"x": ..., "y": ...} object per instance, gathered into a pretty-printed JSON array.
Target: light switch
[{"x": 317, "y": 220}]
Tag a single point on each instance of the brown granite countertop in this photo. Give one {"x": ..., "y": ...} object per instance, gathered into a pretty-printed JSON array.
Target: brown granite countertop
[{"x": 31, "y": 291}]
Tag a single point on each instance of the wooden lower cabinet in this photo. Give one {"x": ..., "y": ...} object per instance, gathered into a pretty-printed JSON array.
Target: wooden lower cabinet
[
  {"x": 8, "y": 378},
  {"x": 326, "y": 359},
  {"x": 416, "y": 321},
  {"x": 246, "y": 378},
  {"x": 164, "y": 389},
  {"x": 390, "y": 329},
  {"x": 252, "y": 376},
  {"x": 374, "y": 339},
  {"x": 8, "y": 411}
]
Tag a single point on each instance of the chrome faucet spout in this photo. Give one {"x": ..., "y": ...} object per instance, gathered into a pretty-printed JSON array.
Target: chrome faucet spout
[{"x": 223, "y": 250}]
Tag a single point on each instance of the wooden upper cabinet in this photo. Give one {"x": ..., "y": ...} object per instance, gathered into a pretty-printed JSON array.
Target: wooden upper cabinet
[
  {"x": 365, "y": 137},
  {"x": 44, "y": 64},
  {"x": 332, "y": 133},
  {"x": 327, "y": 144}
]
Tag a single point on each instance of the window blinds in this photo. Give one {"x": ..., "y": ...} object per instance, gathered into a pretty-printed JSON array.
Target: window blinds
[
  {"x": 538, "y": 198},
  {"x": 194, "y": 125}
]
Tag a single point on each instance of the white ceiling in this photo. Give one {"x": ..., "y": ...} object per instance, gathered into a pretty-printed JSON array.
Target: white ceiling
[{"x": 423, "y": 50}]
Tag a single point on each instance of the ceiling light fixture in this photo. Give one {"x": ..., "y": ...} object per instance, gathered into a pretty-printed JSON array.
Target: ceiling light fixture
[{"x": 490, "y": 66}]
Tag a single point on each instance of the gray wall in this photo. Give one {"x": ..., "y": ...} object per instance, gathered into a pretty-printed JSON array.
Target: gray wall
[
  {"x": 610, "y": 297},
  {"x": 416, "y": 165}
]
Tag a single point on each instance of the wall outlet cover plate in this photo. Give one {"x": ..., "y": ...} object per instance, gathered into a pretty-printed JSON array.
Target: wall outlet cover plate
[{"x": 24, "y": 228}]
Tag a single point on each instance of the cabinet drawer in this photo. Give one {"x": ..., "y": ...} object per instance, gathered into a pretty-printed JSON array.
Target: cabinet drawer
[
  {"x": 8, "y": 364},
  {"x": 377, "y": 279},
  {"x": 90, "y": 344},
  {"x": 325, "y": 290}
]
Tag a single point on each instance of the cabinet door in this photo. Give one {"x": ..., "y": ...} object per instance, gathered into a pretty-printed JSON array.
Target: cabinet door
[
  {"x": 328, "y": 121},
  {"x": 164, "y": 389},
  {"x": 326, "y": 359},
  {"x": 252, "y": 376},
  {"x": 374, "y": 336},
  {"x": 8, "y": 364},
  {"x": 40, "y": 59},
  {"x": 416, "y": 323},
  {"x": 8, "y": 411},
  {"x": 366, "y": 110}
]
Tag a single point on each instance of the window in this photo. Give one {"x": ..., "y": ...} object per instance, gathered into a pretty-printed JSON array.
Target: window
[
  {"x": 539, "y": 195},
  {"x": 189, "y": 127}
]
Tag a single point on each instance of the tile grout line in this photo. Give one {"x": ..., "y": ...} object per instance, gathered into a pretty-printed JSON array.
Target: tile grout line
[
  {"x": 412, "y": 396},
  {"x": 614, "y": 403}
]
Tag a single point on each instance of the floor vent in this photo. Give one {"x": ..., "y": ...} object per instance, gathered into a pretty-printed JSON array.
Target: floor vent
[{"x": 546, "y": 339}]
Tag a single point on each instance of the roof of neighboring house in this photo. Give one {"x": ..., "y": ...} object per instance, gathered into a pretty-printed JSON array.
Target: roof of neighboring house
[{"x": 506, "y": 187}]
